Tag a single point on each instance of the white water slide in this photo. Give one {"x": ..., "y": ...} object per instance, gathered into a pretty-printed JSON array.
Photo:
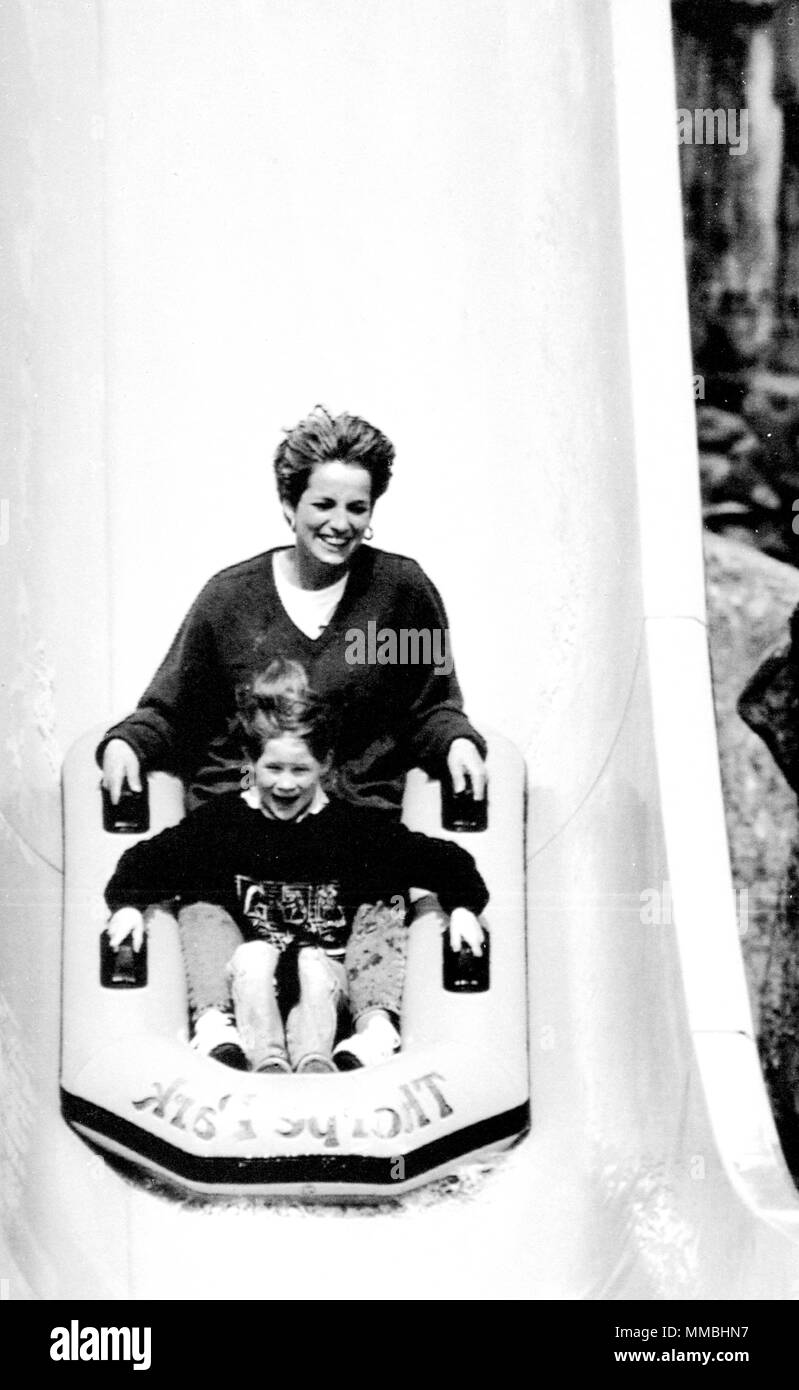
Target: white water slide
[{"x": 460, "y": 219}]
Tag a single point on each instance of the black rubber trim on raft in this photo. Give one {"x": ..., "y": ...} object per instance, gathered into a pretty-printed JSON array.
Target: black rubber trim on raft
[{"x": 288, "y": 1168}]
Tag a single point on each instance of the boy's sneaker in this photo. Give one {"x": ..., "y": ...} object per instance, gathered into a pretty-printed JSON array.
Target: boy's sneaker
[
  {"x": 216, "y": 1035},
  {"x": 314, "y": 1061},
  {"x": 273, "y": 1066},
  {"x": 377, "y": 1043}
]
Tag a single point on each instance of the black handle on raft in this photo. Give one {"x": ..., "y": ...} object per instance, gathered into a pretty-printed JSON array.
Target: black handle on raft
[
  {"x": 464, "y": 972},
  {"x": 461, "y": 811},
  {"x": 131, "y": 815},
  {"x": 122, "y": 968}
]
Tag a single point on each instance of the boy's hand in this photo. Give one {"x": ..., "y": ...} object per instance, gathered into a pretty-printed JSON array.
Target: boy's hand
[
  {"x": 463, "y": 760},
  {"x": 120, "y": 764},
  {"x": 127, "y": 921},
  {"x": 464, "y": 926}
]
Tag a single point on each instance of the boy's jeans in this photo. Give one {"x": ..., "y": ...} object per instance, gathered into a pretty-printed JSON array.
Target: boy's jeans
[
  {"x": 374, "y": 959},
  {"x": 312, "y": 1022}
]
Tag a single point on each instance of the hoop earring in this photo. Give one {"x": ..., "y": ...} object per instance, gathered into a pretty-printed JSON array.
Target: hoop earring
[{"x": 368, "y": 533}]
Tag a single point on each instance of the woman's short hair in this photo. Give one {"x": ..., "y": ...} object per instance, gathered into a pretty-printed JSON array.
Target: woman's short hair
[
  {"x": 279, "y": 700},
  {"x": 324, "y": 438}
]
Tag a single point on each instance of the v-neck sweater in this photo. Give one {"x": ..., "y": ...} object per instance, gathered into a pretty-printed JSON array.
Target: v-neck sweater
[{"x": 393, "y": 716}]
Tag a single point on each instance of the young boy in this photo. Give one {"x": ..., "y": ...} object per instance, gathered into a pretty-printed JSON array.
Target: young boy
[{"x": 294, "y": 869}]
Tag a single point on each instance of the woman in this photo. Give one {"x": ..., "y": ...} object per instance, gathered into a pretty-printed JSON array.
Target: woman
[{"x": 339, "y": 607}]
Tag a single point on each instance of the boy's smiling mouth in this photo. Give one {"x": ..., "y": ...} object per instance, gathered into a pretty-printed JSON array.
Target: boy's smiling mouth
[{"x": 282, "y": 800}]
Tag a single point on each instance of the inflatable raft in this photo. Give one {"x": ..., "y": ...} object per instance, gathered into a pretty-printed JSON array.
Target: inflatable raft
[{"x": 130, "y": 1083}]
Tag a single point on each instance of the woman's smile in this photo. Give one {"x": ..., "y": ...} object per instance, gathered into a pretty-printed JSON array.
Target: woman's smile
[{"x": 336, "y": 542}]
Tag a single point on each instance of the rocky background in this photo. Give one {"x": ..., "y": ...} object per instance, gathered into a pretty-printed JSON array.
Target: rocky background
[
  {"x": 749, "y": 467},
  {"x": 741, "y": 219},
  {"x": 750, "y": 598}
]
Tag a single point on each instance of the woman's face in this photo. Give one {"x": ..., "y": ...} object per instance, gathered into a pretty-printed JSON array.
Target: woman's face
[{"x": 333, "y": 513}]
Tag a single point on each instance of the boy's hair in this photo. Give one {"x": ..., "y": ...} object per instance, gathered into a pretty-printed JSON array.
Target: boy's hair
[
  {"x": 279, "y": 700},
  {"x": 323, "y": 438}
]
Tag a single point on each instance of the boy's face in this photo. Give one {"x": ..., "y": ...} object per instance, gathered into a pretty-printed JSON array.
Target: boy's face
[{"x": 286, "y": 776}]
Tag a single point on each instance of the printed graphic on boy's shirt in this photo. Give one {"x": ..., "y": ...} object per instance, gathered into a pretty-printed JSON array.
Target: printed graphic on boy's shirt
[{"x": 282, "y": 912}]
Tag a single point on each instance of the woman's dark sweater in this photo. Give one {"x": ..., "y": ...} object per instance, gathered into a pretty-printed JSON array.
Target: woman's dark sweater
[
  {"x": 280, "y": 879},
  {"x": 394, "y": 715}
]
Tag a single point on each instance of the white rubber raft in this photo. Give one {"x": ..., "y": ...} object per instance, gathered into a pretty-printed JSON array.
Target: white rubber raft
[{"x": 458, "y": 1089}]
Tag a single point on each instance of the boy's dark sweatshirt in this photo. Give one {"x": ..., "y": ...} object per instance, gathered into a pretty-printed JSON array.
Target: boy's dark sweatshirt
[{"x": 283, "y": 879}]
